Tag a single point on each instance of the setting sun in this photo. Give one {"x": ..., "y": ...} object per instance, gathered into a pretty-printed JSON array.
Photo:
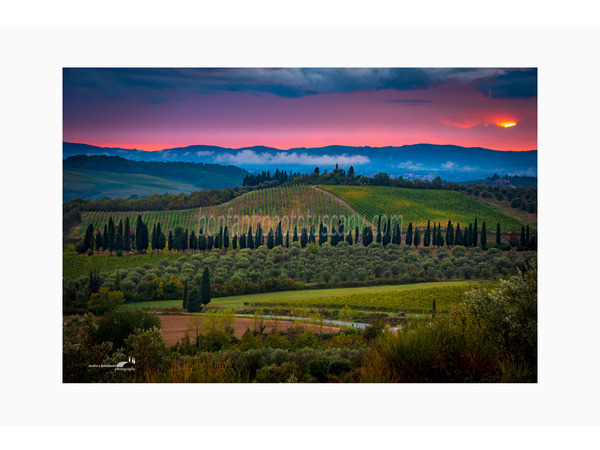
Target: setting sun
[{"x": 507, "y": 124}]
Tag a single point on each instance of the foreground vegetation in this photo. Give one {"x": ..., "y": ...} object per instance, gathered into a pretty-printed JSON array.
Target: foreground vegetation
[
  {"x": 311, "y": 297},
  {"x": 248, "y": 271},
  {"x": 418, "y": 300},
  {"x": 489, "y": 337}
]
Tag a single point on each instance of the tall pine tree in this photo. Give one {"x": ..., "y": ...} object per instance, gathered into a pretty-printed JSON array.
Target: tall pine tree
[
  {"x": 498, "y": 235},
  {"x": 483, "y": 235}
]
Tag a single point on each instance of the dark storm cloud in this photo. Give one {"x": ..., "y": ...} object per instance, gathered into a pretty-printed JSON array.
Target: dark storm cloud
[
  {"x": 293, "y": 82},
  {"x": 512, "y": 84}
]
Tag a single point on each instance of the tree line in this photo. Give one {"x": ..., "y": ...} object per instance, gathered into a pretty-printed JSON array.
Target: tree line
[{"x": 121, "y": 238}]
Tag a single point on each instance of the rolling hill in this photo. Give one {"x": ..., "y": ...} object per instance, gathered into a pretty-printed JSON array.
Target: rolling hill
[
  {"x": 266, "y": 204},
  {"x": 420, "y": 205},
  {"x": 112, "y": 176}
]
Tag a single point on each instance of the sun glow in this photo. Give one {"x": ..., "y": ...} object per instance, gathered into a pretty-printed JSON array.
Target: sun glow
[{"x": 507, "y": 124}]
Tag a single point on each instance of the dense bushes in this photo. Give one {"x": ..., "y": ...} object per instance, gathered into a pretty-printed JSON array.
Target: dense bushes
[
  {"x": 254, "y": 271},
  {"x": 492, "y": 336}
]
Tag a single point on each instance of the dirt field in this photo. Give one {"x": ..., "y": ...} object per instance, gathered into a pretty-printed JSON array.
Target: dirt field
[{"x": 174, "y": 327}]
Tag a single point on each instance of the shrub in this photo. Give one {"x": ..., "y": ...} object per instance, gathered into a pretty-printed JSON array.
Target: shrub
[{"x": 116, "y": 326}]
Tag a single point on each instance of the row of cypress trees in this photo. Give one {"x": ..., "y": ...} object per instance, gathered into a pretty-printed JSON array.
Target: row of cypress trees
[
  {"x": 469, "y": 238},
  {"x": 120, "y": 238}
]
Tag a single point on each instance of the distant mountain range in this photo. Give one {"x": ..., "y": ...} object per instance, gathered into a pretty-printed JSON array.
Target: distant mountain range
[{"x": 450, "y": 162}]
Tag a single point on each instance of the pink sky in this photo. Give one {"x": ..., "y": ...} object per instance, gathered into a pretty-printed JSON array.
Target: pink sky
[{"x": 448, "y": 113}]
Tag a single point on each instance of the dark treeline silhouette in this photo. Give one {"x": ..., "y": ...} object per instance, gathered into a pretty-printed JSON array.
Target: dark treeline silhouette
[
  {"x": 121, "y": 237},
  {"x": 265, "y": 177}
]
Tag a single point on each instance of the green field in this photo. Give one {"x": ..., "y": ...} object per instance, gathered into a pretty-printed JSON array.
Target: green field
[
  {"x": 310, "y": 296},
  {"x": 420, "y": 205},
  {"x": 98, "y": 184},
  {"x": 417, "y": 300},
  {"x": 267, "y": 205}
]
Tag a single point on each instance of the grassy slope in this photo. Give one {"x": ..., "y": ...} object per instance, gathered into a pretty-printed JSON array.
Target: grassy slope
[
  {"x": 239, "y": 300},
  {"x": 419, "y": 205},
  {"x": 280, "y": 202},
  {"x": 98, "y": 184}
]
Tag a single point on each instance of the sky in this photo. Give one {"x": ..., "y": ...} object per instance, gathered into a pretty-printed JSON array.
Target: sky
[{"x": 157, "y": 108}]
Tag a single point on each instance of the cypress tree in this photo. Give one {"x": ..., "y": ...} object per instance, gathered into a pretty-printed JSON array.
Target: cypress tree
[
  {"x": 303, "y": 238},
  {"x": 119, "y": 236},
  {"x": 322, "y": 234},
  {"x": 483, "y": 235},
  {"x": 210, "y": 242},
  {"x": 349, "y": 238},
  {"x": 333, "y": 236},
  {"x": 111, "y": 234},
  {"x": 387, "y": 235},
  {"x": 278, "y": 235},
  {"x": 533, "y": 241},
  {"x": 105, "y": 238},
  {"x": 379, "y": 230},
  {"x": 409, "y": 234},
  {"x": 450, "y": 234},
  {"x": 458, "y": 236},
  {"x": 226, "y": 237},
  {"x": 154, "y": 238},
  {"x": 234, "y": 244},
  {"x": 440, "y": 238},
  {"x": 498, "y": 235},
  {"x": 312, "y": 238},
  {"x": 139, "y": 234},
  {"x": 202, "y": 240},
  {"x": 219, "y": 238},
  {"x": 99, "y": 241},
  {"x": 243, "y": 240},
  {"x": 93, "y": 285},
  {"x": 88, "y": 240},
  {"x": 162, "y": 241},
  {"x": 427, "y": 236},
  {"x": 270, "y": 239},
  {"x": 194, "y": 301},
  {"x": 295, "y": 238},
  {"x": 475, "y": 234},
  {"x": 287, "y": 239},
  {"x": 193, "y": 241},
  {"x": 146, "y": 237},
  {"x": 434, "y": 237},
  {"x": 127, "y": 235},
  {"x": 170, "y": 240},
  {"x": 522, "y": 237},
  {"x": 469, "y": 236},
  {"x": 250, "y": 239},
  {"x": 258, "y": 240},
  {"x": 527, "y": 238},
  {"x": 356, "y": 235},
  {"x": 417, "y": 237}
]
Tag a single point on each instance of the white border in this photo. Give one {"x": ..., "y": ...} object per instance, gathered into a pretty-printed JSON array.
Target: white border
[{"x": 568, "y": 162}]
